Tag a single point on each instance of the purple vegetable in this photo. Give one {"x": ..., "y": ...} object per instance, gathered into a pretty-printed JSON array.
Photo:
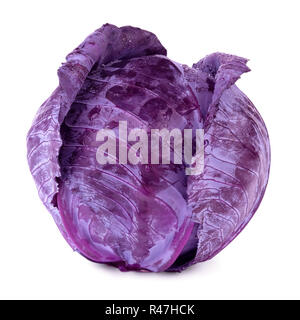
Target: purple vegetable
[{"x": 147, "y": 216}]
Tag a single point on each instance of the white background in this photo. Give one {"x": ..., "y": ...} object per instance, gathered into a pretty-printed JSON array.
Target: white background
[{"x": 263, "y": 262}]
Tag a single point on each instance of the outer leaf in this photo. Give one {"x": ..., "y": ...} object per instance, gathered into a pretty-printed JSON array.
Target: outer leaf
[
  {"x": 43, "y": 139},
  {"x": 237, "y": 162}
]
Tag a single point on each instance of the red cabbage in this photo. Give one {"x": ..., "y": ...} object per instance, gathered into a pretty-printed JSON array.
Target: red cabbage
[{"x": 147, "y": 216}]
